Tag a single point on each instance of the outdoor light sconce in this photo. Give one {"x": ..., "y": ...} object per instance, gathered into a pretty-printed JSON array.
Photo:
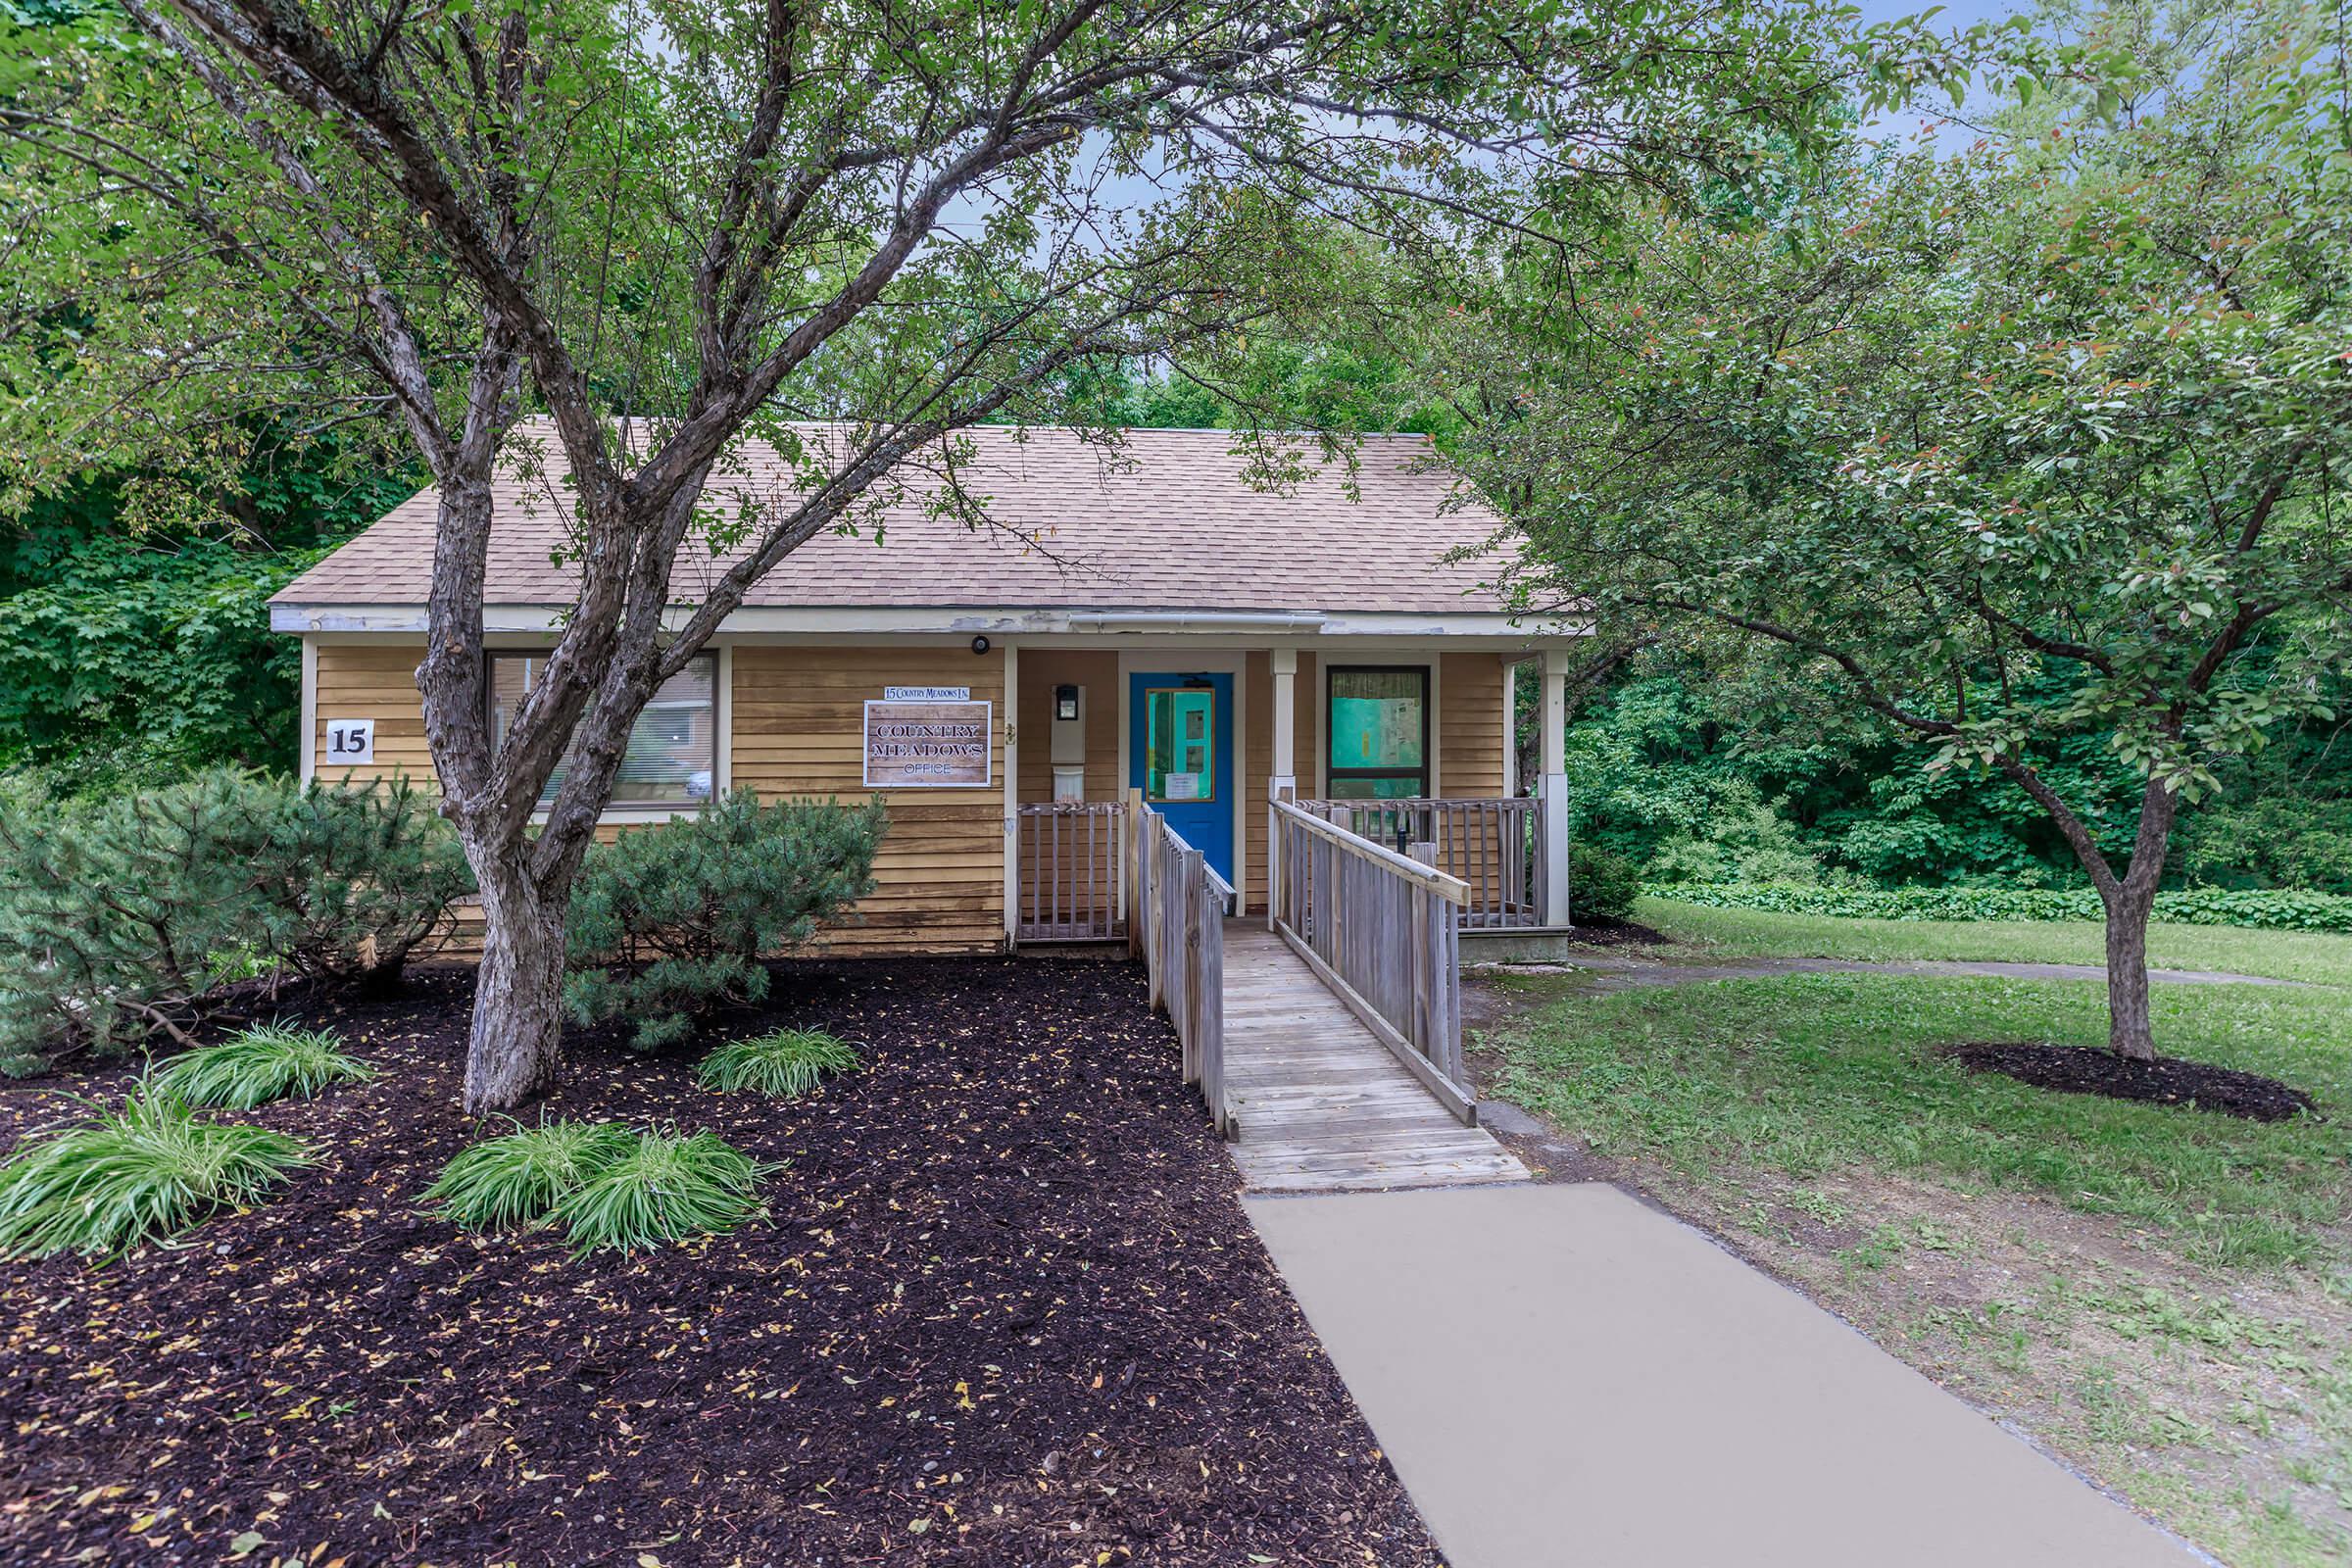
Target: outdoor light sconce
[
  {"x": 979, "y": 645},
  {"x": 1065, "y": 703}
]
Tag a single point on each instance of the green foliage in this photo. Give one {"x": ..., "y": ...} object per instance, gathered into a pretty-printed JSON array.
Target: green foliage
[
  {"x": 784, "y": 1062},
  {"x": 2273, "y": 909},
  {"x": 139, "y": 1174},
  {"x": 671, "y": 921},
  {"x": 135, "y": 647},
  {"x": 121, "y": 914},
  {"x": 258, "y": 1066},
  {"x": 515, "y": 1179},
  {"x": 665, "y": 1188},
  {"x": 1602, "y": 884},
  {"x": 2034, "y": 457},
  {"x": 354, "y": 880}
]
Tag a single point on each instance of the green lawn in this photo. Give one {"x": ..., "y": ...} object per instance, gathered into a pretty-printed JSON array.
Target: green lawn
[
  {"x": 2161, "y": 1294},
  {"x": 1805, "y": 1074},
  {"x": 2321, "y": 958}
]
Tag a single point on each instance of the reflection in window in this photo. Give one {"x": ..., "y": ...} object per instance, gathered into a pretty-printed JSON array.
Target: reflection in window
[
  {"x": 672, "y": 752},
  {"x": 1378, "y": 724},
  {"x": 1180, "y": 744}
]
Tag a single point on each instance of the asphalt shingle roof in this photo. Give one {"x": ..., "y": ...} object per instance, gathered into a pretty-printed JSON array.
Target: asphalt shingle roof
[{"x": 1170, "y": 524}]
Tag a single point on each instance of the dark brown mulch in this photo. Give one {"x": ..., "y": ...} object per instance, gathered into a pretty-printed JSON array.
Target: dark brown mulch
[
  {"x": 2168, "y": 1080},
  {"x": 1600, "y": 933},
  {"x": 1008, "y": 1311}
]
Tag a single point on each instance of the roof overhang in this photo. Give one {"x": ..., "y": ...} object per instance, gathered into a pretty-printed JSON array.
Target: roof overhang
[{"x": 851, "y": 620}]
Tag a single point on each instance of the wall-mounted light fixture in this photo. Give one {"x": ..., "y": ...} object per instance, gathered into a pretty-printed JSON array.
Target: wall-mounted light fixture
[
  {"x": 979, "y": 645},
  {"x": 1065, "y": 703}
]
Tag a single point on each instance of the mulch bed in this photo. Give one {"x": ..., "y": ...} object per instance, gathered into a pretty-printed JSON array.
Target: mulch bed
[
  {"x": 1008, "y": 1312},
  {"x": 1600, "y": 933},
  {"x": 2168, "y": 1080}
]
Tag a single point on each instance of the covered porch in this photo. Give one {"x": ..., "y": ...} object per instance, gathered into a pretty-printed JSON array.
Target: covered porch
[{"x": 1409, "y": 746}]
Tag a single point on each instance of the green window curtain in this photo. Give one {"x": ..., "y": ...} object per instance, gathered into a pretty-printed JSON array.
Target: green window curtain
[{"x": 1377, "y": 726}]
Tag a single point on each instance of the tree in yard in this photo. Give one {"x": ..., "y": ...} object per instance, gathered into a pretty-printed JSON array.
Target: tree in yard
[
  {"x": 2072, "y": 411},
  {"x": 673, "y": 228}
]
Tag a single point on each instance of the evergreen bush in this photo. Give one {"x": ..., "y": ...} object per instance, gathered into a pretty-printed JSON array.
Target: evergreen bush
[
  {"x": 2269, "y": 908},
  {"x": 123, "y": 915},
  {"x": 670, "y": 922},
  {"x": 356, "y": 881},
  {"x": 1602, "y": 883}
]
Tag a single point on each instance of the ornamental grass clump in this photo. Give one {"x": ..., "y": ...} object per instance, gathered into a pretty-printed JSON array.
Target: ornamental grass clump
[
  {"x": 784, "y": 1062},
  {"x": 516, "y": 1179},
  {"x": 266, "y": 1063},
  {"x": 665, "y": 1189},
  {"x": 140, "y": 1174}
]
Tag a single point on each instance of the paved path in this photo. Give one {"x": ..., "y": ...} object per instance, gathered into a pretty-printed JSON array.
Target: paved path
[
  {"x": 1614, "y": 972},
  {"x": 1564, "y": 1376},
  {"x": 1321, "y": 1105}
]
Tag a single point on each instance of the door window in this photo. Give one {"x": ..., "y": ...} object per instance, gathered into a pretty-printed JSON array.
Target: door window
[{"x": 1180, "y": 744}]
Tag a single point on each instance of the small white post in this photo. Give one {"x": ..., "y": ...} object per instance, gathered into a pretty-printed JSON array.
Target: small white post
[
  {"x": 1012, "y": 796},
  {"x": 1554, "y": 789},
  {"x": 1283, "y": 782},
  {"x": 310, "y": 709}
]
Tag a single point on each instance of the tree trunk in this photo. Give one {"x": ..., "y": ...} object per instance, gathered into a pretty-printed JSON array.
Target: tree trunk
[
  {"x": 514, "y": 1051},
  {"x": 2129, "y": 1032}
]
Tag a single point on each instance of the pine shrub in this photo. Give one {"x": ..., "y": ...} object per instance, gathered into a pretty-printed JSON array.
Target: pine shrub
[
  {"x": 356, "y": 881},
  {"x": 671, "y": 922},
  {"x": 266, "y": 1063},
  {"x": 123, "y": 915},
  {"x": 784, "y": 1062},
  {"x": 140, "y": 1174}
]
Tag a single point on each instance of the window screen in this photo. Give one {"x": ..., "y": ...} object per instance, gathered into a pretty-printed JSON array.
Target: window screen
[
  {"x": 673, "y": 754},
  {"x": 1378, "y": 724}
]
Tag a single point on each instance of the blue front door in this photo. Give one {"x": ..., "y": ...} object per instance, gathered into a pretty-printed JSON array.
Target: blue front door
[{"x": 1180, "y": 755}]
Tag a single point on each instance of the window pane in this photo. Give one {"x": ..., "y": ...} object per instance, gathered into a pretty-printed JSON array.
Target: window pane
[
  {"x": 671, "y": 758},
  {"x": 1376, "y": 718},
  {"x": 1180, "y": 744}
]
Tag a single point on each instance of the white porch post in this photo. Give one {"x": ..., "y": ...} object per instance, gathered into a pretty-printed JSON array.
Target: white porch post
[
  {"x": 1284, "y": 785},
  {"x": 1283, "y": 782},
  {"x": 1553, "y": 788},
  {"x": 1012, "y": 796}
]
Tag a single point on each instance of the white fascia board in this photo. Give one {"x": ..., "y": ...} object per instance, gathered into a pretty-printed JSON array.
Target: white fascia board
[{"x": 1087, "y": 627}]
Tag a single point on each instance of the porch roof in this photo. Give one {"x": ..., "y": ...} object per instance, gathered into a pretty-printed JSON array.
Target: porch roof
[{"x": 1169, "y": 524}]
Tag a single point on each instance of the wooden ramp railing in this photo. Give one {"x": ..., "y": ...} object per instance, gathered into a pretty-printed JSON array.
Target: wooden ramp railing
[
  {"x": 1069, "y": 872},
  {"x": 1382, "y": 931},
  {"x": 1493, "y": 844},
  {"x": 1176, "y": 920}
]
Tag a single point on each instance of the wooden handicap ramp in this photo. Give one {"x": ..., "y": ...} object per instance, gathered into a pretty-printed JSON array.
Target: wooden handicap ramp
[{"x": 1321, "y": 1105}]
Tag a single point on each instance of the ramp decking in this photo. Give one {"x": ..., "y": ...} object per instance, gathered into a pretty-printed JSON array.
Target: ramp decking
[{"x": 1321, "y": 1105}]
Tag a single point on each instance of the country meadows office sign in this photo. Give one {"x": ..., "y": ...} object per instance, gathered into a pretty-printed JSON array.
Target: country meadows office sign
[{"x": 926, "y": 737}]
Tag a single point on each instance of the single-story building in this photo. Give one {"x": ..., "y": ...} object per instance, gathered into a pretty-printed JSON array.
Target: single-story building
[{"x": 1149, "y": 619}]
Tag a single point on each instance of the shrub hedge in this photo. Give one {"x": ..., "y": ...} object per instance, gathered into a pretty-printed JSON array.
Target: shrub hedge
[
  {"x": 2272, "y": 910},
  {"x": 123, "y": 915},
  {"x": 671, "y": 922}
]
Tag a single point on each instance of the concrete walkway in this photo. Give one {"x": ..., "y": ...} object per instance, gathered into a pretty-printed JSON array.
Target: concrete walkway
[
  {"x": 1564, "y": 1376},
  {"x": 1614, "y": 972}
]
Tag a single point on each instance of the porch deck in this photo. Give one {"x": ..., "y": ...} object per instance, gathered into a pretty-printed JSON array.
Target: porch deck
[{"x": 1322, "y": 1105}]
